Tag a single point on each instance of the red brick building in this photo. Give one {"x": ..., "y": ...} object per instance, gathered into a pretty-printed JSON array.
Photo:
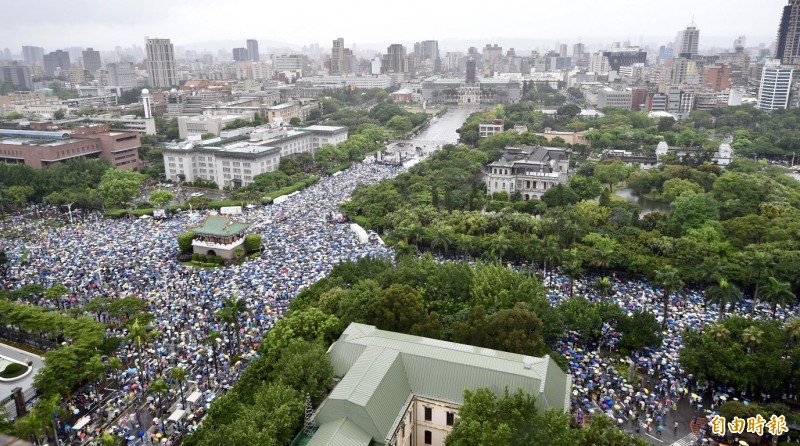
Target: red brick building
[{"x": 40, "y": 149}]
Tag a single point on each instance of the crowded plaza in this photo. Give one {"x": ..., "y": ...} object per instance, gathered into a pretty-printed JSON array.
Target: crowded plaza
[{"x": 129, "y": 257}]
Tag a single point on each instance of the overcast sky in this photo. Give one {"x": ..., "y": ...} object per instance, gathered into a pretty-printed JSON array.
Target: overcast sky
[{"x": 104, "y": 24}]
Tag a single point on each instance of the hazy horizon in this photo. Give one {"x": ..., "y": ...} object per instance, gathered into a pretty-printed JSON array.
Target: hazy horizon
[{"x": 202, "y": 24}]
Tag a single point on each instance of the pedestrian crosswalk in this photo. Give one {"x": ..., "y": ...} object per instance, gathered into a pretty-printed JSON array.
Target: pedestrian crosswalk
[{"x": 688, "y": 440}]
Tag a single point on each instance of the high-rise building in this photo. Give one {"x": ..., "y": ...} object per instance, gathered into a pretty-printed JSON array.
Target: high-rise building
[
  {"x": 717, "y": 77},
  {"x": 33, "y": 55},
  {"x": 252, "y": 50},
  {"x": 775, "y": 86},
  {"x": 787, "y": 49},
  {"x": 337, "y": 57},
  {"x": 562, "y": 50},
  {"x": 17, "y": 74},
  {"x": 161, "y": 63},
  {"x": 122, "y": 75},
  {"x": 471, "y": 69},
  {"x": 240, "y": 54},
  {"x": 428, "y": 50},
  {"x": 689, "y": 40},
  {"x": 91, "y": 60},
  {"x": 395, "y": 60},
  {"x": 55, "y": 60}
]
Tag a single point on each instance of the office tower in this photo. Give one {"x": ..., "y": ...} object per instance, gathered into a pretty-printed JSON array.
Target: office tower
[
  {"x": 91, "y": 60},
  {"x": 395, "y": 60},
  {"x": 33, "y": 55},
  {"x": 775, "y": 86},
  {"x": 562, "y": 50},
  {"x": 428, "y": 50},
  {"x": 577, "y": 51},
  {"x": 55, "y": 60},
  {"x": 240, "y": 54},
  {"x": 689, "y": 40},
  {"x": 787, "y": 49},
  {"x": 252, "y": 50},
  {"x": 17, "y": 74},
  {"x": 337, "y": 57},
  {"x": 471, "y": 68},
  {"x": 122, "y": 75},
  {"x": 161, "y": 63}
]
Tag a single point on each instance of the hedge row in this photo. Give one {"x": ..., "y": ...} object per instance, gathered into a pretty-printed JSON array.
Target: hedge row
[
  {"x": 117, "y": 213},
  {"x": 293, "y": 188},
  {"x": 338, "y": 168}
]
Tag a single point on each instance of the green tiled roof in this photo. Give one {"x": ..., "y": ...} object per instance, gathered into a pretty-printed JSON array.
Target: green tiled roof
[
  {"x": 220, "y": 225},
  {"x": 381, "y": 370},
  {"x": 341, "y": 432}
]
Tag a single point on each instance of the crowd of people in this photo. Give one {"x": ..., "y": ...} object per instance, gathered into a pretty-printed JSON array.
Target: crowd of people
[
  {"x": 118, "y": 258},
  {"x": 646, "y": 404}
]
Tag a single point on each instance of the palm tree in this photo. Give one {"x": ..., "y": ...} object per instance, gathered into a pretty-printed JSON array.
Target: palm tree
[
  {"x": 32, "y": 425},
  {"x": 159, "y": 387},
  {"x": 724, "y": 293},
  {"x": 179, "y": 375},
  {"x": 603, "y": 286},
  {"x": 719, "y": 332},
  {"x": 464, "y": 245},
  {"x": 415, "y": 234},
  {"x": 668, "y": 279},
  {"x": 752, "y": 336},
  {"x": 777, "y": 292},
  {"x": 758, "y": 266},
  {"x": 139, "y": 334},
  {"x": 551, "y": 253},
  {"x": 231, "y": 309},
  {"x": 792, "y": 328},
  {"x": 211, "y": 339},
  {"x": 499, "y": 246},
  {"x": 440, "y": 238},
  {"x": 573, "y": 268}
]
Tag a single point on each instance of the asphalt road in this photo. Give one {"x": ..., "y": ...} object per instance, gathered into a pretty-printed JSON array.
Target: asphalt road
[{"x": 444, "y": 128}]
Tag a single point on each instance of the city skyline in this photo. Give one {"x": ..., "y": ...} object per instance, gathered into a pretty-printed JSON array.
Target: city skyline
[{"x": 103, "y": 25}]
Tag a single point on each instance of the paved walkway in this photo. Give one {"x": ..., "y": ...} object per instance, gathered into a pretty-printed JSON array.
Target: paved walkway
[{"x": 21, "y": 356}]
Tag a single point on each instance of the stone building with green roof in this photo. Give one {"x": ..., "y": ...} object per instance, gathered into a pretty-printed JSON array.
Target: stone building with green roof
[
  {"x": 397, "y": 389},
  {"x": 219, "y": 235}
]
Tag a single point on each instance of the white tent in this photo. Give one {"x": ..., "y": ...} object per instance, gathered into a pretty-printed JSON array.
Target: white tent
[
  {"x": 82, "y": 423},
  {"x": 177, "y": 415},
  {"x": 360, "y": 232},
  {"x": 194, "y": 397}
]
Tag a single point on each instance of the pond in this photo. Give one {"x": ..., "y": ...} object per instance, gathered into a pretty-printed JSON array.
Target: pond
[{"x": 646, "y": 204}]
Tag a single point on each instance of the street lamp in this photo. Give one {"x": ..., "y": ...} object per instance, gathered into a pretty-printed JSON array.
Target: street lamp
[{"x": 69, "y": 209}]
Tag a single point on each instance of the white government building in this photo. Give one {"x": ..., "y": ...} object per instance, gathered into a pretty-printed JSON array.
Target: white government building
[
  {"x": 238, "y": 155},
  {"x": 529, "y": 170}
]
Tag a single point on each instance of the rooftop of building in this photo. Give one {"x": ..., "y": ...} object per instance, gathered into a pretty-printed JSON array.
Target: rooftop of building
[
  {"x": 323, "y": 128},
  {"x": 220, "y": 225},
  {"x": 36, "y": 138},
  {"x": 382, "y": 371},
  {"x": 530, "y": 155}
]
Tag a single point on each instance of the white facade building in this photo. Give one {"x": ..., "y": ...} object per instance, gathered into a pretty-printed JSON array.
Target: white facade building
[
  {"x": 775, "y": 87},
  {"x": 236, "y": 162},
  {"x": 487, "y": 129},
  {"x": 529, "y": 170},
  {"x": 198, "y": 125}
]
